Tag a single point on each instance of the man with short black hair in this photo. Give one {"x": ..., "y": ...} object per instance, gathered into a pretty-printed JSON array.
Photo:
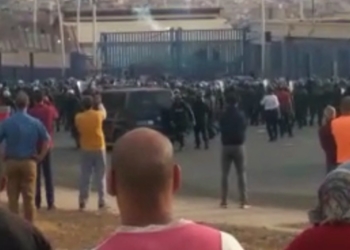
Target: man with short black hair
[
  {"x": 47, "y": 114},
  {"x": 93, "y": 150},
  {"x": 271, "y": 107},
  {"x": 22, "y": 134},
  {"x": 233, "y": 127}
]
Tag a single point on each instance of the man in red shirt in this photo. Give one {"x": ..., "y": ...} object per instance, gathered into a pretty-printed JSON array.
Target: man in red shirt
[
  {"x": 286, "y": 109},
  {"x": 47, "y": 114}
]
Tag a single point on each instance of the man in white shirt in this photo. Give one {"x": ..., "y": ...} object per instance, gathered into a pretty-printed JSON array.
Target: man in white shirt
[{"x": 271, "y": 111}]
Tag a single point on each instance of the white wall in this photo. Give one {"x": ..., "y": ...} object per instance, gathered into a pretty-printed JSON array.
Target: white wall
[
  {"x": 307, "y": 29},
  {"x": 41, "y": 60},
  {"x": 86, "y": 35}
]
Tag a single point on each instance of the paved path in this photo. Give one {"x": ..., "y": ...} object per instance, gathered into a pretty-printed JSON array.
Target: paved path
[
  {"x": 203, "y": 210},
  {"x": 285, "y": 173}
]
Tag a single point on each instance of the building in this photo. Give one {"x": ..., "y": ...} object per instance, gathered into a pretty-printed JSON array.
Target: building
[
  {"x": 300, "y": 48},
  {"x": 142, "y": 20},
  {"x": 325, "y": 28}
]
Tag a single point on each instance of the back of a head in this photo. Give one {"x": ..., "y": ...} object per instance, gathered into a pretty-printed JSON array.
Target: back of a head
[
  {"x": 38, "y": 96},
  {"x": 269, "y": 90},
  {"x": 16, "y": 233},
  {"x": 329, "y": 114},
  {"x": 232, "y": 99},
  {"x": 143, "y": 162},
  {"x": 345, "y": 105},
  {"x": 333, "y": 198},
  {"x": 22, "y": 100},
  {"x": 87, "y": 102}
]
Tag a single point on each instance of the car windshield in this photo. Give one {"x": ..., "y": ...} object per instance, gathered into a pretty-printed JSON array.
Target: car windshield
[
  {"x": 113, "y": 102},
  {"x": 148, "y": 105}
]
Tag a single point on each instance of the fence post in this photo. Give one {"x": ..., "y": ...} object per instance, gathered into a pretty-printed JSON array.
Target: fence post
[
  {"x": 245, "y": 51},
  {"x": 0, "y": 66},
  {"x": 179, "y": 51},
  {"x": 335, "y": 62},
  {"x": 103, "y": 47},
  {"x": 285, "y": 57},
  {"x": 31, "y": 66}
]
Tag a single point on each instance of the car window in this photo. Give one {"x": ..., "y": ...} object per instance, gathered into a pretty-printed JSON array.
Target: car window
[
  {"x": 114, "y": 102},
  {"x": 148, "y": 104}
]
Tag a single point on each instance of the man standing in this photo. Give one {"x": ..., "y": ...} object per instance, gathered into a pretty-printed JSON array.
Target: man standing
[
  {"x": 144, "y": 178},
  {"x": 341, "y": 133},
  {"x": 201, "y": 112},
  {"x": 71, "y": 108},
  {"x": 22, "y": 134},
  {"x": 233, "y": 133},
  {"x": 286, "y": 111},
  {"x": 47, "y": 114},
  {"x": 181, "y": 116},
  {"x": 271, "y": 111},
  {"x": 93, "y": 150}
]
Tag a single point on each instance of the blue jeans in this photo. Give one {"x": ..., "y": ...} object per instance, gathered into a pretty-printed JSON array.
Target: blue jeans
[
  {"x": 233, "y": 154},
  {"x": 45, "y": 168},
  {"x": 93, "y": 163}
]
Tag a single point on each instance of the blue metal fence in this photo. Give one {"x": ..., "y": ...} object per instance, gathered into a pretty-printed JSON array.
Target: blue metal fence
[
  {"x": 182, "y": 52},
  {"x": 302, "y": 57}
]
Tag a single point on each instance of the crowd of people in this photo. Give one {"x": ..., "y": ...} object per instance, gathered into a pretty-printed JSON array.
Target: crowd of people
[{"x": 144, "y": 175}]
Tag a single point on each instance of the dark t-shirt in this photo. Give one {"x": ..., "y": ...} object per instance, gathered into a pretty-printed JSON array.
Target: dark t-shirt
[{"x": 17, "y": 234}]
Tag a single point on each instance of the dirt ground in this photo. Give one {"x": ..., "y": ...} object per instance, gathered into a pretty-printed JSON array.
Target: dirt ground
[
  {"x": 259, "y": 238},
  {"x": 74, "y": 230}
]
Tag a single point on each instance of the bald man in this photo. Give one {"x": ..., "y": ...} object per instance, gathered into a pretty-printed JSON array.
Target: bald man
[{"x": 144, "y": 177}]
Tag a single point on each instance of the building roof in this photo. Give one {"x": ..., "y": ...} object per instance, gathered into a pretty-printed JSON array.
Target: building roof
[{"x": 129, "y": 11}]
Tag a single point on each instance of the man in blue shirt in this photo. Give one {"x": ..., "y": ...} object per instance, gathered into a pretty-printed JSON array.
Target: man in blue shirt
[{"x": 26, "y": 144}]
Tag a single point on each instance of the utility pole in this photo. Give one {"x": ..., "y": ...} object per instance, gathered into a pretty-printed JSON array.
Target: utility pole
[
  {"x": 78, "y": 24},
  {"x": 263, "y": 38},
  {"x": 94, "y": 37}
]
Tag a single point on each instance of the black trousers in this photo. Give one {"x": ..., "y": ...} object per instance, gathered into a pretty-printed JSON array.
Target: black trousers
[
  {"x": 316, "y": 112},
  {"x": 286, "y": 123},
  {"x": 301, "y": 116},
  {"x": 179, "y": 134},
  {"x": 271, "y": 119},
  {"x": 45, "y": 169},
  {"x": 200, "y": 130}
]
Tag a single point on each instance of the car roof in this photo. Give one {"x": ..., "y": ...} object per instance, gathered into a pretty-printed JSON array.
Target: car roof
[{"x": 132, "y": 89}]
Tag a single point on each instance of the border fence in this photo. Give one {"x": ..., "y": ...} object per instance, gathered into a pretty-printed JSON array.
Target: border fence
[
  {"x": 204, "y": 54},
  {"x": 302, "y": 57},
  {"x": 201, "y": 53}
]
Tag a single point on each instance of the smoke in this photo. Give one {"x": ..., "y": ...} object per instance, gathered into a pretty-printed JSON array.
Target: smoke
[
  {"x": 188, "y": 4},
  {"x": 144, "y": 14}
]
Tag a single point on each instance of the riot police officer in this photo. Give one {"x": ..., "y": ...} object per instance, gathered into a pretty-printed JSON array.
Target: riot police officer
[
  {"x": 181, "y": 116},
  {"x": 201, "y": 113}
]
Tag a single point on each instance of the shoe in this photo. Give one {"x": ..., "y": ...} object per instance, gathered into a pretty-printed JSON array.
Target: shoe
[
  {"x": 244, "y": 206},
  {"x": 102, "y": 207},
  {"x": 223, "y": 205},
  {"x": 51, "y": 207},
  {"x": 81, "y": 206}
]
